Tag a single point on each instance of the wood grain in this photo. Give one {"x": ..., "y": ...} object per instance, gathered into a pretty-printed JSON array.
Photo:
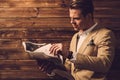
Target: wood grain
[{"x": 45, "y": 21}]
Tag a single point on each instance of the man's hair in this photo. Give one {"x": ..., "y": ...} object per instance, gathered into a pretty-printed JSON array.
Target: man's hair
[{"x": 86, "y": 6}]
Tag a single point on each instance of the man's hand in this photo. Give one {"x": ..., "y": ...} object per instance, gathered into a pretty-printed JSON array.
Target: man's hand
[
  {"x": 55, "y": 48},
  {"x": 48, "y": 65},
  {"x": 54, "y": 69}
]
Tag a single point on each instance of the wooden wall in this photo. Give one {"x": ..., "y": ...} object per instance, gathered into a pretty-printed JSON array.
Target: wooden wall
[{"x": 44, "y": 21}]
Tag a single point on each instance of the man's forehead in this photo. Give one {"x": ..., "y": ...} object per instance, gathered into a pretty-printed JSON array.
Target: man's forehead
[{"x": 75, "y": 11}]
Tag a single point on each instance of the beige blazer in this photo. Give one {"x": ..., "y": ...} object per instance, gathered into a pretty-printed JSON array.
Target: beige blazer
[{"x": 95, "y": 55}]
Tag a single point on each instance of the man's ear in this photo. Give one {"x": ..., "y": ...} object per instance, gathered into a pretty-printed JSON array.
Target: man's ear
[{"x": 89, "y": 16}]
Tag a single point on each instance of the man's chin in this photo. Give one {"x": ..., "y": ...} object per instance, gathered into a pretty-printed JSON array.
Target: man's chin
[{"x": 76, "y": 29}]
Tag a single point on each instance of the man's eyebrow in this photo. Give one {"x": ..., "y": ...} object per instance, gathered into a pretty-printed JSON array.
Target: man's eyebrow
[{"x": 76, "y": 17}]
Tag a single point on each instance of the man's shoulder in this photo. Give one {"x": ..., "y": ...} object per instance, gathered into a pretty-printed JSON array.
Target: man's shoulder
[
  {"x": 103, "y": 29},
  {"x": 75, "y": 34}
]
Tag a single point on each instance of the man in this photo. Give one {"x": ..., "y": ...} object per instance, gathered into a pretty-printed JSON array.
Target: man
[{"x": 92, "y": 46}]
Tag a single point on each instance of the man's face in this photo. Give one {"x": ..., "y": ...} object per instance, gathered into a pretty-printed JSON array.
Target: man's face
[{"x": 78, "y": 21}]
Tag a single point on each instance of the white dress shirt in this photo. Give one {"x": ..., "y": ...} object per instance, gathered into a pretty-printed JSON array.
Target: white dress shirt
[{"x": 82, "y": 37}]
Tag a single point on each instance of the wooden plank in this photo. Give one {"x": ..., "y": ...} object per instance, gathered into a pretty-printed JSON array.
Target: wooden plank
[
  {"x": 52, "y": 34},
  {"x": 28, "y": 62},
  {"x": 14, "y": 56},
  {"x": 18, "y": 12},
  {"x": 35, "y": 22},
  {"x": 112, "y": 23},
  {"x": 105, "y": 3},
  {"x": 33, "y": 12},
  {"x": 21, "y": 74},
  {"x": 18, "y": 33},
  {"x": 107, "y": 11},
  {"x": 45, "y": 40},
  {"x": 32, "y": 3},
  {"x": 50, "y": 12},
  {"x": 15, "y": 43},
  {"x": 46, "y": 22},
  {"x": 27, "y": 65},
  {"x": 10, "y": 33},
  {"x": 52, "y": 3},
  {"x": 11, "y": 49}
]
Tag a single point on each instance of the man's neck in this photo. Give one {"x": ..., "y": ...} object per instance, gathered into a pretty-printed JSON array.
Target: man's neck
[{"x": 90, "y": 24}]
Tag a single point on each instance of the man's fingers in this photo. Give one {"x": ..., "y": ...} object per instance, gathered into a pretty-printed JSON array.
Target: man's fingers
[
  {"x": 49, "y": 70},
  {"x": 42, "y": 67},
  {"x": 54, "y": 49},
  {"x": 46, "y": 67}
]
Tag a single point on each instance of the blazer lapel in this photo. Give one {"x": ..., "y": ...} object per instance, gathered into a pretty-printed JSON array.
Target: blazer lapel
[
  {"x": 90, "y": 36},
  {"x": 74, "y": 42}
]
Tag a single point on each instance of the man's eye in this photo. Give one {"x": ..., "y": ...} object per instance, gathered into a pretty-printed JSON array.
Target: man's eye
[{"x": 77, "y": 18}]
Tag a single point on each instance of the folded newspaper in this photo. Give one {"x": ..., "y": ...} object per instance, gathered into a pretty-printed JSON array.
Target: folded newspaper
[
  {"x": 40, "y": 52},
  {"x": 31, "y": 47}
]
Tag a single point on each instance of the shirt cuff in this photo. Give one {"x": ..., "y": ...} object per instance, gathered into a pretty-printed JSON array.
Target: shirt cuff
[{"x": 74, "y": 57}]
